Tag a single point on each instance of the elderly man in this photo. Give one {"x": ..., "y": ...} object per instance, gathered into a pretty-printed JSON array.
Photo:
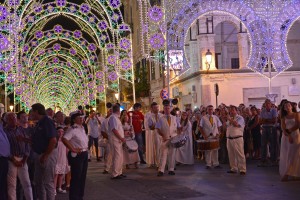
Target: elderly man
[
  {"x": 43, "y": 144},
  {"x": 235, "y": 143},
  {"x": 17, "y": 166},
  {"x": 116, "y": 132},
  {"x": 167, "y": 126},
  {"x": 153, "y": 146}
]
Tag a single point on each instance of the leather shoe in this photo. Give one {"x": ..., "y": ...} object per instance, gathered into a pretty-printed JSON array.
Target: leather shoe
[
  {"x": 105, "y": 172},
  {"x": 122, "y": 175},
  {"x": 231, "y": 172},
  {"x": 160, "y": 174},
  {"x": 242, "y": 173},
  {"x": 143, "y": 162},
  {"x": 116, "y": 177},
  {"x": 171, "y": 173},
  {"x": 207, "y": 167},
  {"x": 218, "y": 167}
]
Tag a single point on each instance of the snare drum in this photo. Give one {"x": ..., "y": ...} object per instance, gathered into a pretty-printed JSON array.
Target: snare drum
[
  {"x": 178, "y": 141},
  {"x": 208, "y": 145},
  {"x": 130, "y": 146}
]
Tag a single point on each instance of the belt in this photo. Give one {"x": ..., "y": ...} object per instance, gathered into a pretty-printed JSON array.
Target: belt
[{"x": 236, "y": 137}]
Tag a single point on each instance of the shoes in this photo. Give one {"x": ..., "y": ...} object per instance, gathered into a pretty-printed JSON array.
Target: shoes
[
  {"x": 127, "y": 167},
  {"x": 122, "y": 175},
  {"x": 160, "y": 174},
  {"x": 208, "y": 167},
  {"x": 59, "y": 190},
  {"x": 105, "y": 172},
  {"x": 136, "y": 165},
  {"x": 242, "y": 173},
  {"x": 218, "y": 167},
  {"x": 98, "y": 160},
  {"x": 171, "y": 173},
  {"x": 143, "y": 162},
  {"x": 116, "y": 177},
  {"x": 231, "y": 172},
  {"x": 68, "y": 187},
  {"x": 89, "y": 160}
]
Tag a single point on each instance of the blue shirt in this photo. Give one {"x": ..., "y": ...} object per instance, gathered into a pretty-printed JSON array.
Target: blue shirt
[
  {"x": 268, "y": 115},
  {"x": 4, "y": 144},
  {"x": 43, "y": 132}
]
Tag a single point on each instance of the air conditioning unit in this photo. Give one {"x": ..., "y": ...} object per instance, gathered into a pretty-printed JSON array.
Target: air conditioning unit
[{"x": 175, "y": 91}]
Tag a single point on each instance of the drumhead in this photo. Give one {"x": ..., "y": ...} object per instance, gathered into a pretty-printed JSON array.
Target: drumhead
[{"x": 132, "y": 144}]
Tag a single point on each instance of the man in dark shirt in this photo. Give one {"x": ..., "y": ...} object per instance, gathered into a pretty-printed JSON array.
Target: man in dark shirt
[{"x": 44, "y": 143}]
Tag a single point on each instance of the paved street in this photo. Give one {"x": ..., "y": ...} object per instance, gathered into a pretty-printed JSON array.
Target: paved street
[{"x": 190, "y": 182}]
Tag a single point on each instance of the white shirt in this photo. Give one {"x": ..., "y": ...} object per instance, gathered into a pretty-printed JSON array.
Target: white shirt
[
  {"x": 93, "y": 127},
  {"x": 235, "y": 131},
  {"x": 77, "y": 137},
  {"x": 168, "y": 131},
  {"x": 209, "y": 128},
  {"x": 115, "y": 123}
]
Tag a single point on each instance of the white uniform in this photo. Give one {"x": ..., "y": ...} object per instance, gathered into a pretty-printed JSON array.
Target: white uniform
[
  {"x": 117, "y": 149},
  {"x": 211, "y": 130},
  {"x": 77, "y": 137},
  {"x": 107, "y": 149},
  {"x": 153, "y": 139},
  {"x": 185, "y": 154},
  {"x": 167, "y": 131},
  {"x": 235, "y": 145}
]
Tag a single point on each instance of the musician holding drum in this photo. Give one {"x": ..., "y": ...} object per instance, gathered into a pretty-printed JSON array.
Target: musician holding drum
[
  {"x": 210, "y": 129},
  {"x": 167, "y": 127}
]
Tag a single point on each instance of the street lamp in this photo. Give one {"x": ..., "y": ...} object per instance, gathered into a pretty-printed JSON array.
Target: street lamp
[
  {"x": 208, "y": 57},
  {"x": 11, "y": 107},
  {"x": 117, "y": 96}
]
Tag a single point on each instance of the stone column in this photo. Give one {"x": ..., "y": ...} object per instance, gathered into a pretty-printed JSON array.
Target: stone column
[
  {"x": 205, "y": 42},
  {"x": 243, "y": 49},
  {"x": 193, "y": 55}
]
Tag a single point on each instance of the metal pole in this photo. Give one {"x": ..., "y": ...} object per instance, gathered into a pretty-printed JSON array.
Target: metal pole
[
  {"x": 5, "y": 94},
  {"x": 270, "y": 73}
]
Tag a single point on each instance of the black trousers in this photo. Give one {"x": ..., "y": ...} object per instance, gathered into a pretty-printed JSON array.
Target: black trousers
[
  {"x": 95, "y": 142},
  {"x": 79, "y": 165},
  {"x": 3, "y": 178}
]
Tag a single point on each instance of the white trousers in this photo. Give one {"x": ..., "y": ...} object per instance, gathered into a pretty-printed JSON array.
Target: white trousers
[
  {"x": 12, "y": 175},
  {"x": 211, "y": 158},
  {"x": 156, "y": 146},
  {"x": 117, "y": 158},
  {"x": 166, "y": 154},
  {"x": 108, "y": 156},
  {"x": 236, "y": 154}
]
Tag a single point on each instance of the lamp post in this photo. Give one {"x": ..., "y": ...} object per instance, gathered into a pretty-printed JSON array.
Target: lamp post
[
  {"x": 117, "y": 97},
  {"x": 208, "y": 56},
  {"x": 217, "y": 93},
  {"x": 11, "y": 107}
]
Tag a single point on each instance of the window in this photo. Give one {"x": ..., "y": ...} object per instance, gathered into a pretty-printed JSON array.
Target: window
[{"x": 235, "y": 63}]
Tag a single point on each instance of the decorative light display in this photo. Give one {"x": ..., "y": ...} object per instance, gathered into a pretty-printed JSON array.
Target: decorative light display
[{"x": 59, "y": 66}]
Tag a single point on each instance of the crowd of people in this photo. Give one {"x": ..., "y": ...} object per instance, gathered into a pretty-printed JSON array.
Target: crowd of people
[{"x": 42, "y": 153}]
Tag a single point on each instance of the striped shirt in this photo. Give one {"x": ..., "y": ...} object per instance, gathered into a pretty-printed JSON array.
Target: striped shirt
[{"x": 17, "y": 148}]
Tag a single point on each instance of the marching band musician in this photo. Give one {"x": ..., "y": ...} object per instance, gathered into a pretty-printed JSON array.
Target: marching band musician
[
  {"x": 235, "y": 142},
  {"x": 116, "y": 132},
  {"x": 210, "y": 128},
  {"x": 154, "y": 136},
  {"x": 167, "y": 128}
]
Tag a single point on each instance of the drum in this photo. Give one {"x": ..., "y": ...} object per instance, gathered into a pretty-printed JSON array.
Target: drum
[
  {"x": 207, "y": 145},
  {"x": 130, "y": 146},
  {"x": 178, "y": 141}
]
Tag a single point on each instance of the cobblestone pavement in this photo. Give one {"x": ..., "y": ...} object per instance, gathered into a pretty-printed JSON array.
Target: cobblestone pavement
[{"x": 190, "y": 182}]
